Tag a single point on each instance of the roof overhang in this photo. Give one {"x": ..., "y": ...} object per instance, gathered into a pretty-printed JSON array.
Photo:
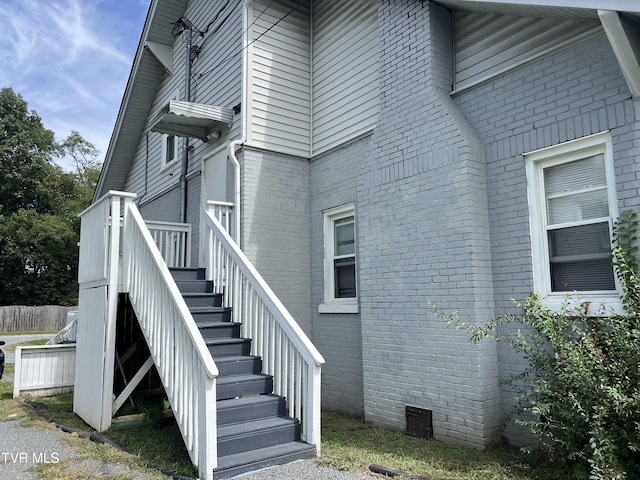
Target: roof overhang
[
  {"x": 623, "y": 45},
  {"x": 194, "y": 120},
  {"x": 620, "y": 21}
]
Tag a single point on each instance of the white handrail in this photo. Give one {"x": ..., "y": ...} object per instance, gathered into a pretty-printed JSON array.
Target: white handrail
[
  {"x": 67, "y": 334},
  {"x": 179, "y": 352},
  {"x": 286, "y": 351}
]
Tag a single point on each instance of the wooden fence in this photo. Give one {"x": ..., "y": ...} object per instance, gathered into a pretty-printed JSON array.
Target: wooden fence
[{"x": 16, "y": 318}]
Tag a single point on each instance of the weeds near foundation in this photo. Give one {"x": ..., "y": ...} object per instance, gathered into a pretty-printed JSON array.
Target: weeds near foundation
[{"x": 580, "y": 395}]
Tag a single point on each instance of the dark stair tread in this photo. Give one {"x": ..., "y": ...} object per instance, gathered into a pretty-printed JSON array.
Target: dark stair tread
[
  {"x": 232, "y": 465},
  {"x": 250, "y": 427},
  {"x": 225, "y": 341},
  {"x": 231, "y": 379},
  {"x": 236, "y": 358},
  {"x": 195, "y": 286},
  {"x": 197, "y": 295},
  {"x": 215, "y": 324},
  {"x": 246, "y": 401},
  {"x": 187, "y": 272},
  {"x": 209, "y": 309}
]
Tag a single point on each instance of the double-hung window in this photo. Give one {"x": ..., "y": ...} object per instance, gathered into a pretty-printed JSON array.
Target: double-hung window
[
  {"x": 340, "y": 285},
  {"x": 572, "y": 207}
]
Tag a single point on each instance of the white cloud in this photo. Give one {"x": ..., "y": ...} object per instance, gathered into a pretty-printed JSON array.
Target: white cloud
[{"x": 70, "y": 60}]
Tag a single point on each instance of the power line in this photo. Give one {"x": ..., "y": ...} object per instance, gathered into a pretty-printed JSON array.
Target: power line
[{"x": 229, "y": 57}]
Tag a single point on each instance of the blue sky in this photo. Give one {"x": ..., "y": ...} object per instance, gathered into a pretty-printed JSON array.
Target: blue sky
[{"x": 70, "y": 60}]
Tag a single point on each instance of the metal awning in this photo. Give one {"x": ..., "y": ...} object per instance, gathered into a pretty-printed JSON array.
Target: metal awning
[{"x": 187, "y": 119}]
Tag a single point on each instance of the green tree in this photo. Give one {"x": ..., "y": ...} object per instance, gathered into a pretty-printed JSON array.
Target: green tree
[
  {"x": 26, "y": 149},
  {"x": 39, "y": 207}
]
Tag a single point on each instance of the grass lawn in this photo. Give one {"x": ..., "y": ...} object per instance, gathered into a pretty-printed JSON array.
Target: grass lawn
[
  {"x": 12, "y": 348},
  {"x": 347, "y": 444}
]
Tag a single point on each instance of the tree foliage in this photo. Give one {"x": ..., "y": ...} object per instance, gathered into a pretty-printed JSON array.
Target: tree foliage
[
  {"x": 39, "y": 207},
  {"x": 580, "y": 395}
]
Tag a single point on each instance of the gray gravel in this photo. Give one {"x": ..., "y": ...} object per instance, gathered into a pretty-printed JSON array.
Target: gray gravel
[
  {"x": 22, "y": 448},
  {"x": 304, "y": 470}
]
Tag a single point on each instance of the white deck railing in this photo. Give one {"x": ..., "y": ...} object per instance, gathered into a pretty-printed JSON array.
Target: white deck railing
[
  {"x": 173, "y": 241},
  {"x": 68, "y": 333},
  {"x": 223, "y": 211},
  {"x": 286, "y": 351},
  {"x": 43, "y": 370},
  {"x": 179, "y": 352}
]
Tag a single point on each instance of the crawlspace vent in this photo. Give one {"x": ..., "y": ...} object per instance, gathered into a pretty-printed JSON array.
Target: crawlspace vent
[{"x": 419, "y": 422}]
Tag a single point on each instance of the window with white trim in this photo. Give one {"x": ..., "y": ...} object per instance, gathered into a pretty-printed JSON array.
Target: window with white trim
[
  {"x": 572, "y": 206},
  {"x": 169, "y": 150},
  {"x": 169, "y": 144},
  {"x": 340, "y": 284}
]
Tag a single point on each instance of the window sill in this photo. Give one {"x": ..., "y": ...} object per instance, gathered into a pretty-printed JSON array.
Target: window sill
[
  {"x": 338, "y": 308},
  {"x": 609, "y": 304},
  {"x": 168, "y": 166}
]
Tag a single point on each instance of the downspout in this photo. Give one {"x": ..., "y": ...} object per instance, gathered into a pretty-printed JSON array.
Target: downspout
[
  {"x": 243, "y": 138},
  {"x": 185, "y": 156}
]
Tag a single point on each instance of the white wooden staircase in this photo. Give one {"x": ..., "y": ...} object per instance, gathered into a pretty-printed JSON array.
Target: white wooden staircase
[{"x": 242, "y": 378}]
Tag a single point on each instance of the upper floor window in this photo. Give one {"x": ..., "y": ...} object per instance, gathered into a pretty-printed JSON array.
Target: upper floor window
[
  {"x": 572, "y": 207},
  {"x": 169, "y": 149},
  {"x": 340, "y": 285}
]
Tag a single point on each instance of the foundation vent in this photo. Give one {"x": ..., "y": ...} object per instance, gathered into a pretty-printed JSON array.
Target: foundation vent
[{"x": 419, "y": 422}]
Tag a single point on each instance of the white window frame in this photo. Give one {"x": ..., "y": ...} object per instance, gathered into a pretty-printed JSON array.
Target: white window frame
[
  {"x": 331, "y": 303},
  {"x": 173, "y": 159},
  {"x": 165, "y": 151},
  {"x": 536, "y": 161}
]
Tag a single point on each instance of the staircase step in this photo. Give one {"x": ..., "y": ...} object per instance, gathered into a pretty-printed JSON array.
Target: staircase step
[
  {"x": 226, "y": 347},
  {"x": 242, "y": 437},
  {"x": 239, "y": 365},
  {"x": 243, "y": 409},
  {"x": 233, "y": 386},
  {"x": 205, "y": 299},
  {"x": 195, "y": 286},
  {"x": 232, "y": 465},
  {"x": 215, "y": 329},
  {"x": 211, "y": 314},
  {"x": 189, "y": 273}
]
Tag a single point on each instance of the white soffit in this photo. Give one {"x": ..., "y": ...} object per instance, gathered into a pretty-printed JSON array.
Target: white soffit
[
  {"x": 622, "y": 48},
  {"x": 187, "y": 119},
  {"x": 163, "y": 53}
]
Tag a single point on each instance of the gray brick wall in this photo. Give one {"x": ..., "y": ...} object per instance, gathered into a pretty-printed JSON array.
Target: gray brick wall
[
  {"x": 275, "y": 236},
  {"x": 567, "y": 95},
  {"x": 424, "y": 235},
  {"x": 334, "y": 178}
]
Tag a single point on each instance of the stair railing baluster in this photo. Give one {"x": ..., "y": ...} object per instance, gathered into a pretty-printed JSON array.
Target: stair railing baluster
[
  {"x": 271, "y": 326},
  {"x": 173, "y": 336}
]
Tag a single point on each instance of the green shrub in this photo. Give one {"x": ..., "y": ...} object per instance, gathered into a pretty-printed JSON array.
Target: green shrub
[{"x": 580, "y": 395}]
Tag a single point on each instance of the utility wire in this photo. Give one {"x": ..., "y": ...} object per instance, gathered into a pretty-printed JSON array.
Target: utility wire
[
  {"x": 202, "y": 34},
  {"x": 229, "y": 57}
]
